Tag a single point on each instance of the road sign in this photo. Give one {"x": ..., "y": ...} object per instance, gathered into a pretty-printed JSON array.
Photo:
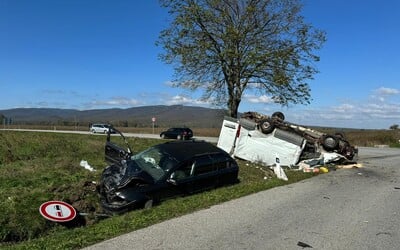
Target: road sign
[{"x": 58, "y": 211}]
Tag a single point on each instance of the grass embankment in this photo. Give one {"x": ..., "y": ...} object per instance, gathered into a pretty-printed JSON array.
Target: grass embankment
[{"x": 38, "y": 167}]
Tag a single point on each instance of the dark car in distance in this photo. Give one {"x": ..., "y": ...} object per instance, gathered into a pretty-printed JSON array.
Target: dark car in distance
[
  {"x": 177, "y": 133},
  {"x": 171, "y": 169}
]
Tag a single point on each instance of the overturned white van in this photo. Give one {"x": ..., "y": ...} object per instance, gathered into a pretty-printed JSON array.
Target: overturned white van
[
  {"x": 243, "y": 140},
  {"x": 267, "y": 140}
]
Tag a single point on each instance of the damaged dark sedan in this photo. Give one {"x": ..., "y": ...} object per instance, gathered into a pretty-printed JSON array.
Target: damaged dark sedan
[{"x": 166, "y": 170}]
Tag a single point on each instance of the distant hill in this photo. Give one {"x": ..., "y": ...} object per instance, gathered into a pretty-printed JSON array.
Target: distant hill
[{"x": 166, "y": 116}]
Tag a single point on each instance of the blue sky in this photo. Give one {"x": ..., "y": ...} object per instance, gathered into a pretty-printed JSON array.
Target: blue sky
[{"x": 95, "y": 54}]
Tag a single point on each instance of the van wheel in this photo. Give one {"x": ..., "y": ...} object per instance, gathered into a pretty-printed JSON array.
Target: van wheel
[
  {"x": 267, "y": 126},
  {"x": 278, "y": 115},
  {"x": 329, "y": 142},
  {"x": 339, "y": 135}
]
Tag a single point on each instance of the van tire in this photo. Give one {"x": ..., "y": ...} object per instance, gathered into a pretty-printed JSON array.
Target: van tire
[
  {"x": 267, "y": 126},
  {"x": 330, "y": 142},
  {"x": 278, "y": 115},
  {"x": 339, "y": 135}
]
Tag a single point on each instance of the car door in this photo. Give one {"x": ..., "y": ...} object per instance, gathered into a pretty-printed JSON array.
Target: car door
[
  {"x": 171, "y": 133},
  {"x": 181, "y": 178},
  {"x": 227, "y": 169},
  {"x": 205, "y": 174},
  {"x": 115, "y": 153}
]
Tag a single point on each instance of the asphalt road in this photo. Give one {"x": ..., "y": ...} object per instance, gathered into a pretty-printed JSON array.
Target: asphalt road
[{"x": 344, "y": 209}]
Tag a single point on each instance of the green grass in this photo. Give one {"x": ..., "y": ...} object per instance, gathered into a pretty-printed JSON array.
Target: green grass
[{"x": 37, "y": 167}]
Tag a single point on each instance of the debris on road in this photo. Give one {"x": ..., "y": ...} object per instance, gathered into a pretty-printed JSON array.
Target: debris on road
[
  {"x": 303, "y": 245},
  {"x": 355, "y": 165}
]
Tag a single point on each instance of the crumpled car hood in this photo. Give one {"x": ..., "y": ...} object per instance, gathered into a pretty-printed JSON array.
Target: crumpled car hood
[{"x": 119, "y": 175}]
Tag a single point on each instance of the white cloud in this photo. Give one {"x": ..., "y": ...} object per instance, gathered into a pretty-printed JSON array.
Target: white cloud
[
  {"x": 360, "y": 115},
  {"x": 258, "y": 99},
  {"x": 344, "y": 108},
  {"x": 181, "y": 99},
  {"x": 383, "y": 93},
  {"x": 370, "y": 113},
  {"x": 387, "y": 91},
  {"x": 116, "y": 102}
]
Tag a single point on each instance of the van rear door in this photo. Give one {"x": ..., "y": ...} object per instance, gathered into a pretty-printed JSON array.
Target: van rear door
[{"x": 228, "y": 134}]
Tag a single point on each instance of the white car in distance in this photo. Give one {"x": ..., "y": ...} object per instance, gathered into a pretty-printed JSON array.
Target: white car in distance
[{"x": 100, "y": 128}]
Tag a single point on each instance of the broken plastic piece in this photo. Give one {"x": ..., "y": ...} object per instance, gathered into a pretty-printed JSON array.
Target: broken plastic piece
[
  {"x": 302, "y": 244},
  {"x": 86, "y": 165},
  {"x": 279, "y": 171}
]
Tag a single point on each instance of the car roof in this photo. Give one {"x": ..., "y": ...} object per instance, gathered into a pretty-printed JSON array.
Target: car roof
[{"x": 183, "y": 150}]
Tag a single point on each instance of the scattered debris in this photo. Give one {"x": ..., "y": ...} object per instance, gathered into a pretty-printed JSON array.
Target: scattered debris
[
  {"x": 86, "y": 165},
  {"x": 279, "y": 171},
  {"x": 323, "y": 170},
  {"x": 383, "y": 233},
  {"x": 303, "y": 245},
  {"x": 355, "y": 165}
]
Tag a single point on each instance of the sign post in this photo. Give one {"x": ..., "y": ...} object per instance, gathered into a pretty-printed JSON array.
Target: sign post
[{"x": 153, "y": 120}]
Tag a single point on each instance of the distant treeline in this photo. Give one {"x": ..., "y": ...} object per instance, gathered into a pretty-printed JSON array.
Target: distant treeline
[{"x": 119, "y": 123}]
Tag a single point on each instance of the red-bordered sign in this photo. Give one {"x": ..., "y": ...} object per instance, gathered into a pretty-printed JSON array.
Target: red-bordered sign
[{"x": 58, "y": 211}]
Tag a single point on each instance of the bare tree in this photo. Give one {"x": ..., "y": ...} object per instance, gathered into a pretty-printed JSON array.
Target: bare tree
[{"x": 225, "y": 47}]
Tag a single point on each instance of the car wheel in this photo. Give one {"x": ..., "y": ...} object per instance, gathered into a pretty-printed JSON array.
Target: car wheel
[
  {"x": 105, "y": 132},
  {"x": 267, "y": 126},
  {"x": 329, "y": 142},
  {"x": 163, "y": 136},
  {"x": 148, "y": 204},
  {"x": 278, "y": 115},
  {"x": 179, "y": 137},
  {"x": 93, "y": 131}
]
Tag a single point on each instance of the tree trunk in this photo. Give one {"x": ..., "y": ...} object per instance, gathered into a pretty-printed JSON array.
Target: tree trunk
[{"x": 233, "y": 107}]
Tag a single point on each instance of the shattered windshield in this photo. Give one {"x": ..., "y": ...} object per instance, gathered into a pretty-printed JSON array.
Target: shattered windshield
[{"x": 154, "y": 162}]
